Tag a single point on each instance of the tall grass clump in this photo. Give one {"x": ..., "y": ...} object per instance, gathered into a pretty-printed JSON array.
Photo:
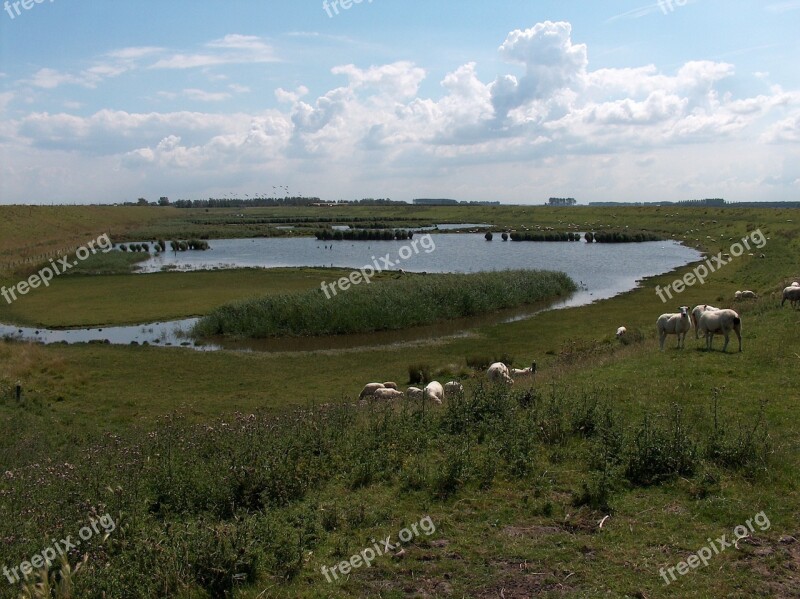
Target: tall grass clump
[{"x": 388, "y": 305}]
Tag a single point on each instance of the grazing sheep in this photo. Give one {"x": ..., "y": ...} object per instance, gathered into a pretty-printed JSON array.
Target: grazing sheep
[
  {"x": 696, "y": 312},
  {"x": 453, "y": 387},
  {"x": 792, "y": 294},
  {"x": 390, "y": 385},
  {"x": 621, "y": 332},
  {"x": 745, "y": 295},
  {"x": 434, "y": 391},
  {"x": 674, "y": 324},
  {"x": 387, "y": 394},
  {"x": 369, "y": 390},
  {"x": 498, "y": 373},
  {"x": 414, "y": 393},
  {"x": 721, "y": 321}
]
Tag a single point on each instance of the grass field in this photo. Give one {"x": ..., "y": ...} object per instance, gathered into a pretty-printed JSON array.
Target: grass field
[{"x": 517, "y": 485}]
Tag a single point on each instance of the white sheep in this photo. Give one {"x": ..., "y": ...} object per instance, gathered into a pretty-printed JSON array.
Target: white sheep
[
  {"x": 516, "y": 373},
  {"x": 792, "y": 294},
  {"x": 696, "y": 312},
  {"x": 739, "y": 295},
  {"x": 795, "y": 284},
  {"x": 674, "y": 324},
  {"x": 621, "y": 331},
  {"x": 390, "y": 385},
  {"x": 721, "y": 321},
  {"x": 453, "y": 388},
  {"x": 387, "y": 394},
  {"x": 434, "y": 392},
  {"x": 414, "y": 393},
  {"x": 498, "y": 373},
  {"x": 369, "y": 390}
]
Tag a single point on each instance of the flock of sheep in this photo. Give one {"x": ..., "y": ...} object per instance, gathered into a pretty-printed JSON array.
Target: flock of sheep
[
  {"x": 705, "y": 319},
  {"x": 433, "y": 391},
  {"x": 710, "y": 321},
  {"x": 436, "y": 392}
]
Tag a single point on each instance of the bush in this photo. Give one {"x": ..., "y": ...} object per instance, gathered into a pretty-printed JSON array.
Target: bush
[
  {"x": 659, "y": 453},
  {"x": 419, "y": 374},
  {"x": 388, "y": 305}
]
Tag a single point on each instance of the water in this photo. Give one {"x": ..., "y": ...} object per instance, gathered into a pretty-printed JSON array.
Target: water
[{"x": 602, "y": 270}]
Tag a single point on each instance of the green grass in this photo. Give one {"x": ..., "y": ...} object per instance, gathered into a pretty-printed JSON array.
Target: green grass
[
  {"x": 414, "y": 300},
  {"x": 516, "y": 486}
]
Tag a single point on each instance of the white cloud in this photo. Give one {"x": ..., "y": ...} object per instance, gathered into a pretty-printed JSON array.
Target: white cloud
[
  {"x": 231, "y": 49},
  {"x": 204, "y": 96}
]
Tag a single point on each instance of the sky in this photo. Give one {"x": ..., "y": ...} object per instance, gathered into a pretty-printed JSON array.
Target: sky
[{"x": 513, "y": 101}]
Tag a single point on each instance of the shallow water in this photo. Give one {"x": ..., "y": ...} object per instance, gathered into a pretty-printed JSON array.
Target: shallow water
[{"x": 602, "y": 270}]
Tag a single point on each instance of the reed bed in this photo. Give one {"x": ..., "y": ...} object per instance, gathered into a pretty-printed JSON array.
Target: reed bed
[{"x": 413, "y": 300}]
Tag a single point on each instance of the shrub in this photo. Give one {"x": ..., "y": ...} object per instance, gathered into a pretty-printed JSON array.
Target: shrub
[{"x": 659, "y": 453}]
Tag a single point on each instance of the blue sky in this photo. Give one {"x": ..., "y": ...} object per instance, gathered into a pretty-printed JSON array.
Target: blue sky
[{"x": 513, "y": 101}]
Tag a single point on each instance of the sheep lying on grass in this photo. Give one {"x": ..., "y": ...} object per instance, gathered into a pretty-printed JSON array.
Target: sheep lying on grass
[
  {"x": 498, "y": 373},
  {"x": 621, "y": 332},
  {"x": 740, "y": 295},
  {"x": 414, "y": 393},
  {"x": 369, "y": 390},
  {"x": 390, "y": 385},
  {"x": 387, "y": 394},
  {"x": 696, "y": 312},
  {"x": 517, "y": 373},
  {"x": 453, "y": 388},
  {"x": 674, "y": 324},
  {"x": 792, "y": 294},
  {"x": 721, "y": 321}
]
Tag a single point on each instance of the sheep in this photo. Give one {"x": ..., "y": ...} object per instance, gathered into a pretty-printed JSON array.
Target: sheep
[
  {"x": 721, "y": 321},
  {"x": 795, "y": 284},
  {"x": 387, "y": 394},
  {"x": 792, "y": 294},
  {"x": 740, "y": 295},
  {"x": 674, "y": 324},
  {"x": 523, "y": 372},
  {"x": 621, "y": 332},
  {"x": 498, "y": 373},
  {"x": 696, "y": 312},
  {"x": 369, "y": 390},
  {"x": 453, "y": 387},
  {"x": 390, "y": 385},
  {"x": 414, "y": 393},
  {"x": 434, "y": 391}
]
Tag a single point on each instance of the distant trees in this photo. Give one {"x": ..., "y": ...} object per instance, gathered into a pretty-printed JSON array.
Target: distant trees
[{"x": 561, "y": 202}]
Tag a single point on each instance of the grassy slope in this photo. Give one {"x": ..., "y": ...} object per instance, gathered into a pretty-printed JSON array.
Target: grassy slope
[{"x": 109, "y": 387}]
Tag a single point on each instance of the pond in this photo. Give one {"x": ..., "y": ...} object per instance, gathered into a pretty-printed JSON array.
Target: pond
[{"x": 601, "y": 270}]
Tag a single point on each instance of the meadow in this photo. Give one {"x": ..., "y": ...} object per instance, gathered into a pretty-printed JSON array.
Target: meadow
[{"x": 242, "y": 474}]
